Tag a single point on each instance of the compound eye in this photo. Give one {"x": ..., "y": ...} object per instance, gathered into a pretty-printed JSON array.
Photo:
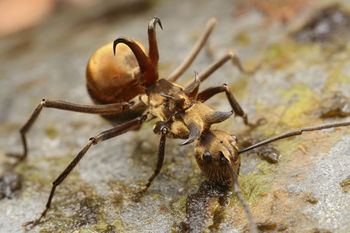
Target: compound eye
[
  {"x": 207, "y": 157},
  {"x": 234, "y": 137}
]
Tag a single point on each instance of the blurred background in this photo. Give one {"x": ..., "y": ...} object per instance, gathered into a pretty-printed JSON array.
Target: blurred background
[{"x": 19, "y": 15}]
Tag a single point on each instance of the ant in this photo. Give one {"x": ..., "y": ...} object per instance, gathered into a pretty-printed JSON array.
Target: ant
[{"x": 122, "y": 80}]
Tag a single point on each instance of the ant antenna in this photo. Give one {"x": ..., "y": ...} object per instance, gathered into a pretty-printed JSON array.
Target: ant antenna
[{"x": 294, "y": 133}]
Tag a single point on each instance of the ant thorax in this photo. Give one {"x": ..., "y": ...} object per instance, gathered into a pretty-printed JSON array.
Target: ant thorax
[
  {"x": 176, "y": 108},
  {"x": 165, "y": 99}
]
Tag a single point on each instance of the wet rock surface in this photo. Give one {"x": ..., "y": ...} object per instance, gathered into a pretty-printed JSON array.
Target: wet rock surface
[
  {"x": 10, "y": 184},
  {"x": 327, "y": 25},
  {"x": 303, "y": 192}
]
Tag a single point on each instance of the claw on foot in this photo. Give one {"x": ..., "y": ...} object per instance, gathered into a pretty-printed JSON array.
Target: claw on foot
[
  {"x": 34, "y": 222},
  {"x": 137, "y": 196},
  {"x": 29, "y": 225},
  {"x": 17, "y": 157},
  {"x": 260, "y": 121}
]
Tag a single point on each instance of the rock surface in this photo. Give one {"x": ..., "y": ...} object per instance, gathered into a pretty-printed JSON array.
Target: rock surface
[{"x": 303, "y": 192}]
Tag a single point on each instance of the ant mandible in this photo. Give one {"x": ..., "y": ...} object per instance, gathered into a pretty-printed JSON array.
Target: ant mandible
[{"x": 122, "y": 80}]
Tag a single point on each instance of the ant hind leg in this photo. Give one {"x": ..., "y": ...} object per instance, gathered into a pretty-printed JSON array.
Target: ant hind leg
[
  {"x": 63, "y": 105},
  {"x": 116, "y": 131}
]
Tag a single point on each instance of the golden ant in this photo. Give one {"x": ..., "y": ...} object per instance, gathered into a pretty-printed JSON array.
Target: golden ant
[{"x": 122, "y": 79}]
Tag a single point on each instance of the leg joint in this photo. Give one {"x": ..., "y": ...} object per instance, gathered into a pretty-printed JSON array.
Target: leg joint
[
  {"x": 225, "y": 87},
  {"x": 231, "y": 54},
  {"x": 164, "y": 129},
  {"x": 93, "y": 140}
]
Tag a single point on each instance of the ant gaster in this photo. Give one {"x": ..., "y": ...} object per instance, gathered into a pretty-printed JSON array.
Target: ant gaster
[{"x": 122, "y": 79}]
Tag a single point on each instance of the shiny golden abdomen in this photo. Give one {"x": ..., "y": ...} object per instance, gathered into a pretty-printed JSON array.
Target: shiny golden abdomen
[{"x": 112, "y": 79}]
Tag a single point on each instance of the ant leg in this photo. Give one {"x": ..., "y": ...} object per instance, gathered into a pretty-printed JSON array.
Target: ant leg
[
  {"x": 63, "y": 105},
  {"x": 211, "y": 91},
  {"x": 161, "y": 150},
  {"x": 294, "y": 133},
  {"x": 217, "y": 64},
  {"x": 175, "y": 75},
  {"x": 118, "y": 130},
  {"x": 220, "y": 62},
  {"x": 237, "y": 190},
  {"x": 152, "y": 41}
]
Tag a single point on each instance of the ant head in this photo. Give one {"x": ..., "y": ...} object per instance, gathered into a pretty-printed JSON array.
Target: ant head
[{"x": 216, "y": 154}]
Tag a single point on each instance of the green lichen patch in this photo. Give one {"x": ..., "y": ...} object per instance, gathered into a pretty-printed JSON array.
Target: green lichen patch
[
  {"x": 51, "y": 131},
  {"x": 257, "y": 182},
  {"x": 239, "y": 87},
  {"x": 300, "y": 101},
  {"x": 179, "y": 206},
  {"x": 335, "y": 80},
  {"x": 285, "y": 55},
  {"x": 298, "y": 104},
  {"x": 117, "y": 192},
  {"x": 265, "y": 189},
  {"x": 242, "y": 38},
  {"x": 9, "y": 127}
]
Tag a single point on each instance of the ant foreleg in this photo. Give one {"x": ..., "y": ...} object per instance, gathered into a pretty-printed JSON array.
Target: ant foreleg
[
  {"x": 211, "y": 91},
  {"x": 230, "y": 56},
  {"x": 176, "y": 74},
  {"x": 63, "y": 105},
  {"x": 118, "y": 130},
  {"x": 161, "y": 151}
]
